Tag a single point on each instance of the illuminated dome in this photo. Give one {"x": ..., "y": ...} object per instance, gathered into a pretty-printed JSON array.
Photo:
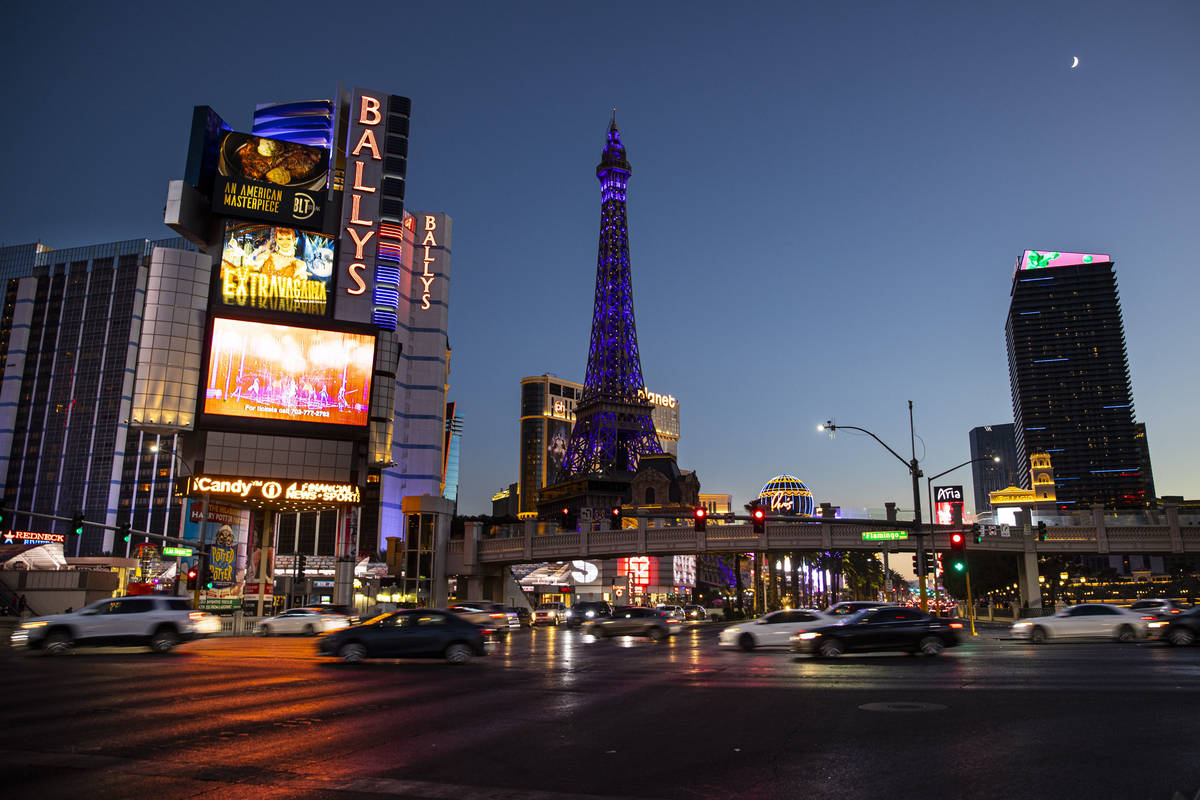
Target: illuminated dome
[{"x": 787, "y": 495}]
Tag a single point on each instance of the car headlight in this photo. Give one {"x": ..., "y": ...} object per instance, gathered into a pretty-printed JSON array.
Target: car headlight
[
  {"x": 806, "y": 635},
  {"x": 734, "y": 629},
  {"x": 28, "y": 625},
  {"x": 1021, "y": 625}
]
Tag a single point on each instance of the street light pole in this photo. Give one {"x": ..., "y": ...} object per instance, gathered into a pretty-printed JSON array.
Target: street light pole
[{"x": 914, "y": 470}]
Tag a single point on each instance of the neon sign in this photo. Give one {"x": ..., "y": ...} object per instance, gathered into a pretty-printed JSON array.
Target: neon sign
[
  {"x": 665, "y": 400},
  {"x": 1036, "y": 259},
  {"x": 642, "y": 570},
  {"x": 426, "y": 276},
  {"x": 266, "y": 489}
]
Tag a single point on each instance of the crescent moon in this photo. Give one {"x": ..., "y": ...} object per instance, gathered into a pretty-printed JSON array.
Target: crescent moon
[{"x": 1076, "y": 62}]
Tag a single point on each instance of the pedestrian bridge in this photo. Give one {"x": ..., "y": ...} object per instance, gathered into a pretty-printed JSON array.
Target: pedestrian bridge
[{"x": 540, "y": 541}]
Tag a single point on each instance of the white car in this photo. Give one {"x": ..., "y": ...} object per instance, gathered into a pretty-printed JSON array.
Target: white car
[
  {"x": 1087, "y": 621},
  {"x": 157, "y": 621},
  {"x": 550, "y": 614},
  {"x": 774, "y": 629},
  {"x": 303, "y": 620}
]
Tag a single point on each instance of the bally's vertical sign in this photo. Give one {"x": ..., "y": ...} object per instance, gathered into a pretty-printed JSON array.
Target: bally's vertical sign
[
  {"x": 358, "y": 240},
  {"x": 430, "y": 262}
]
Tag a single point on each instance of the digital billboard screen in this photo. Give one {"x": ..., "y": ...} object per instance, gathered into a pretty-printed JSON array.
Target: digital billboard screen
[
  {"x": 258, "y": 370},
  {"x": 270, "y": 179},
  {"x": 276, "y": 268}
]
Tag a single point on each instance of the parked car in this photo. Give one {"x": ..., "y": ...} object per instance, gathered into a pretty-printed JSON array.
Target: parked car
[
  {"x": 1086, "y": 621},
  {"x": 524, "y": 618},
  {"x": 586, "y": 610},
  {"x": 550, "y": 614},
  {"x": 772, "y": 630},
  {"x": 848, "y": 607},
  {"x": 157, "y": 621},
  {"x": 308, "y": 621},
  {"x": 632, "y": 621},
  {"x": 419, "y": 633},
  {"x": 879, "y": 629},
  {"x": 485, "y": 613},
  {"x": 1182, "y": 630}
]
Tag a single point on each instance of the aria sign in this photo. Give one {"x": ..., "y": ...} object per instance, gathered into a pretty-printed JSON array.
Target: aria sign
[{"x": 271, "y": 491}]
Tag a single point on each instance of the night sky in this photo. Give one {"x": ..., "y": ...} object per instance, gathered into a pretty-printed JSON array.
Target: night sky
[{"x": 826, "y": 205}]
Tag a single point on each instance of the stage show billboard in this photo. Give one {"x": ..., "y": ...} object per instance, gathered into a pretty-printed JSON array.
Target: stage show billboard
[
  {"x": 275, "y": 268},
  {"x": 263, "y": 371}
]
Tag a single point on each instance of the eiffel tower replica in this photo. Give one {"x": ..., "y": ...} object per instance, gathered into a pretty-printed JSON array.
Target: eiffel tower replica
[{"x": 614, "y": 433}]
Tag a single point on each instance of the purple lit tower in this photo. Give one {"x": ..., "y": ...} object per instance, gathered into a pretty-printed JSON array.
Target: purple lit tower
[{"x": 613, "y": 428}]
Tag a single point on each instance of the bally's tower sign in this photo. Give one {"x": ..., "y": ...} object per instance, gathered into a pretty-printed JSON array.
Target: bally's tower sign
[{"x": 358, "y": 238}]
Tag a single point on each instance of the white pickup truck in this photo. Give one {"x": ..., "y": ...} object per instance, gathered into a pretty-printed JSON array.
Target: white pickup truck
[{"x": 157, "y": 621}]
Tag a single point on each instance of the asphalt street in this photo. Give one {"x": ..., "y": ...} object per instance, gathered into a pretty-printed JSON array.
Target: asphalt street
[{"x": 551, "y": 714}]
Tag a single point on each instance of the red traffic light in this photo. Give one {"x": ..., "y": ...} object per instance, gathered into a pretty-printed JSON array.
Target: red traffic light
[
  {"x": 616, "y": 512},
  {"x": 701, "y": 513},
  {"x": 759, "y": 514},
  {"x": 956, "y": 539}
]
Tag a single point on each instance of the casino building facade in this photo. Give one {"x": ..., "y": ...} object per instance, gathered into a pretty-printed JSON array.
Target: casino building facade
[{"x": 275, "y": 378}]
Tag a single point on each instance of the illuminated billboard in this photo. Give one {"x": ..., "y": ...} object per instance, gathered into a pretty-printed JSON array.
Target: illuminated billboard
[
  {"x": 262, "y": 371},
  {"x": 945, "y": 499},
  {"x": 270, "y": 179},
  {"x": 1037, "y": 259},
  {"x": 276, "y": 268}
]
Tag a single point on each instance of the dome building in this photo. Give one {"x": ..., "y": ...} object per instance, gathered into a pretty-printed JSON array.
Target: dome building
[{"x": 785, "y": 494}]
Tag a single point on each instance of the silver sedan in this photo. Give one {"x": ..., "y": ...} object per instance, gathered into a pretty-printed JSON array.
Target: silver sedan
[{"x": 1087, "y": 621}]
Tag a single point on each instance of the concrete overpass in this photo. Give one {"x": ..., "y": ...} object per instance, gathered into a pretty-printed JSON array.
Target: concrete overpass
[{"x": 533, "y": 541}]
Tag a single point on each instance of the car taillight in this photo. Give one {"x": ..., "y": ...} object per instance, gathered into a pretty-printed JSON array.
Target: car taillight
[
  {"x": 195, "y": 615},
  {"x": 497, "y": 616},
  {"x": 956, "y": 625},
  {"x": 1149, "y": 617}
]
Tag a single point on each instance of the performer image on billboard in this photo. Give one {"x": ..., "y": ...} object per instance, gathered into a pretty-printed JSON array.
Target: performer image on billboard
[
  {"x": 283, "y": 372},
  {"x": 276, "y": 267},
  {"x": 556, "y": 448}
]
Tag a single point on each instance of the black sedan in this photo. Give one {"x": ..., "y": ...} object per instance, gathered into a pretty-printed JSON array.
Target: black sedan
[
  {"x": 1183, "y": 629},
  {"x": 419, "y": 633},
  {"x": 887, "y": 628},
  {"x": 631, "y": 621}
]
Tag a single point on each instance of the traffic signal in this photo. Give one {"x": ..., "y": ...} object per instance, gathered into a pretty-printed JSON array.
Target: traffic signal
[
  {"x": 977, "y": 533},
  {"x": 700, "y": 519},
  {"x": 303, "y": 565},
  {"x": 77, "y": 523},
  {"x": 758, "y": 518},
  {"x": 1041, "y": 531},
  {"x": 6, "y": 521},
  {"x": 923, "y": 562},
  {"x": 123, "y": 531},
  {"x": 566, "y": 519},
  {"x": 614, "y": 518},
  {"x": 958, "y": 551},
  {"x": 192, "y": 574}
]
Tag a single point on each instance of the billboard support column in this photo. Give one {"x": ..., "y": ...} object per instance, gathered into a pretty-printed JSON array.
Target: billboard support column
[
  {"x": 343, "y": 585},
  {"x": 265, "y": 551}
]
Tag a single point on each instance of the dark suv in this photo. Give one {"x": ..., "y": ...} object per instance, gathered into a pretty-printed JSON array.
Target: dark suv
[{"x": 588, "y": 611}]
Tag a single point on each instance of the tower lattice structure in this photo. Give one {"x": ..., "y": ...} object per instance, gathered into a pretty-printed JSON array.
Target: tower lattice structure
[{"x": 613, "y": 427}]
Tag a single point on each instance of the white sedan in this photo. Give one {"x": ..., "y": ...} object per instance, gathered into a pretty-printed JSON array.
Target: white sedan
[
  {"x": 303, "y": 620},
  {"x": 1087, "y": 621},
  {"x": 774, "y": 629}
]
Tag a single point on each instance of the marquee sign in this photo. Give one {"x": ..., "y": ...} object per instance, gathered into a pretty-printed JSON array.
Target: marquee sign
[
  {"x": 263, "y": 489},
  {"x": 359, "y": 241},
  {"x": 33, "y": 537}
]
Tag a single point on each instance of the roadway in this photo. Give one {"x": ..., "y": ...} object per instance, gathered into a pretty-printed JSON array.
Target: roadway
[{"x": 551, "y": 715}]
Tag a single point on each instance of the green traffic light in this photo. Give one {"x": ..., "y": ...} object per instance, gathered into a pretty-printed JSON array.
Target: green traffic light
[{"x": 959, "y": 566}]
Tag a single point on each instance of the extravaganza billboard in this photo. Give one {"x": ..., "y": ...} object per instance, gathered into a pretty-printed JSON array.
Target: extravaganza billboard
[
  {"x": 264, "y": 371},
  {"x": 270, "y": 179},
  {"x": 1035, "y": 259},
  {"x": 276, "y": 268}
]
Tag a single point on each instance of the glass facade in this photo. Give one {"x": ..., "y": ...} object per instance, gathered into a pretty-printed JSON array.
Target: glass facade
[{"x": 989, "y": 441}]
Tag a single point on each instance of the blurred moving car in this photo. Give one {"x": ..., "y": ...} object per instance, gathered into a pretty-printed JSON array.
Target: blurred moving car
[
  {"x": 1086, "y": 621},
  {"x": 308, "y": 621},
  {"x": 848, "y": 607},
  {"x": 1159, "y": 607},
  {"x": 1181, "y": 630},
  {"x": 420, "y": 633},
  {"x": 337, "y": 608},
  {"x": 550, "y": 614},
  {"x": 876, "y": 629},
  {"x": 206, "y": 624},
  {"x": 486, "y": 614},
  {"x": 772, "y": 630},
  {"x": 632, "y": 621},
  {"x": 695, "y": 613},
  {"x": 157, "y": 621},
  {"x": 586, "y": 610},
  {"x": 524, "y": 618}
]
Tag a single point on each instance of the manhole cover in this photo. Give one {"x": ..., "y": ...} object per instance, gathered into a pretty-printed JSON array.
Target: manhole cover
[{"x": 902, "y": 707}]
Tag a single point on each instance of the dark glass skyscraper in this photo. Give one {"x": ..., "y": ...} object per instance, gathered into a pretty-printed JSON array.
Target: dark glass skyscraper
[
  {"x": 989, "y": 441},
  {"x": 1070, "y": 378}
]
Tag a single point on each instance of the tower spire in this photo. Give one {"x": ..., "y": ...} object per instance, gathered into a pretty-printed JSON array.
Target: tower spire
[{"x": 613, "y": 427}]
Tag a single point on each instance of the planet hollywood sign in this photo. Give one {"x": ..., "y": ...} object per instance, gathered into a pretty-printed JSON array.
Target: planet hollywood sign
[{"x": 262, "y": 489}]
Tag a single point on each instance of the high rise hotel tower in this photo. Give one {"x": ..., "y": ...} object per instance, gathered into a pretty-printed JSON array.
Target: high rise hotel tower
[{"x": 1071, "y": 393}]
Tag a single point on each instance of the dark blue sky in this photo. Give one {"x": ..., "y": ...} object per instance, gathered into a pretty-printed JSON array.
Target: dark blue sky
[{"x": 826, "y": 204}]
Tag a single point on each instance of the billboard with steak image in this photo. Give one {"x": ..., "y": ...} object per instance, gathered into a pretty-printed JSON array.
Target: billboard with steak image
[
  {"x": 262, "y": 371},
  {"x": 270, "y": 179},
  {"x": 275, "y": 268}
]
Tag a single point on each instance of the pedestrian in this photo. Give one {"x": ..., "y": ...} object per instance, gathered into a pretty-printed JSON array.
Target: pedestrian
[{"x": 69, "y": 610}]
